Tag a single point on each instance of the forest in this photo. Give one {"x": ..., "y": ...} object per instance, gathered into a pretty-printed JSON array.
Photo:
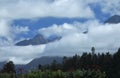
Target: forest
[{"x": 88, "y": 65}]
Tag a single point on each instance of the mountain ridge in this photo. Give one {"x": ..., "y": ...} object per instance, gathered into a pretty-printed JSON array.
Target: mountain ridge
[
  {"x": 45, "y": 60},
  {"x": 37, "y": 40},
  {"x": 113, "y": 20}
]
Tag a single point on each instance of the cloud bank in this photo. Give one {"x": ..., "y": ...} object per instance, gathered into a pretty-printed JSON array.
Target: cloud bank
[
  {"x": 104, "y": 37},
  {"x": 20, "y": 54},
  {"x": 44, "y": 8},
  {"x": 14, "y": 9}
]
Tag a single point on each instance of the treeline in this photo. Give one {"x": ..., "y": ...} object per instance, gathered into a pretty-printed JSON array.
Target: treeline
[
  {"x": 105, "y": 62},
  {"x": 91, "y": 65}
]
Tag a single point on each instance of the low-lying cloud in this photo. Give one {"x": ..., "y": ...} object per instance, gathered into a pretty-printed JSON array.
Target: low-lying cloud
[
  {"x": 20, "y": 54},
  {"x": 104, "y": 37}
]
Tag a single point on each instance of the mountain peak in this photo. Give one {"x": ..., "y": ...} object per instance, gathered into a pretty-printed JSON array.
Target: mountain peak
[
  {"x": 113, "y": 20},
  {"x": 38, "y": 36},
  {"x": 37, "y": 40}
]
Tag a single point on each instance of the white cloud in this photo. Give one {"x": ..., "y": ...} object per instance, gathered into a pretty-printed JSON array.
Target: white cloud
[
  {"x": 63, "y": 30},
  {"x": 20, "y": 29},
  {"x": 4, "y": 29},
  {"x": 104, "y": 37},
  {"x": 110, "y": 6},
  {"x": 44, "y": 8},
  {"x": 20, "y": 54},
  {"x": 8, "y": 33},
  {"x": 56, "y": 8}
]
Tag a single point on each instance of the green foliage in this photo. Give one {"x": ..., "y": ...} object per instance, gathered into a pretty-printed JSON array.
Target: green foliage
[{"x": 58, "y": 74}]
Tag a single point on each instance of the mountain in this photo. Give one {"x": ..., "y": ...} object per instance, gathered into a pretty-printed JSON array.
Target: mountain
[
  {"x": 113, "y": 20},
  {"x": 37, "y": 40},
  {"x": 43, "y": 61},
  {"x": 2, "y": 64}
]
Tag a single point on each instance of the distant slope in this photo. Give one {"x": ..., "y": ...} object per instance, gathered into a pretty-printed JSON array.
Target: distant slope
[
  {"x": 43, "y": 61},
  {"x": 35, "y": 62},
  {"x": 2, "y": 64},
  {"x": 113, "y": 20},
  {"x": 37, "y": 40}
]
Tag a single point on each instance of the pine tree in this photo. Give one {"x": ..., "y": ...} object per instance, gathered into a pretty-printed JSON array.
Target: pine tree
[{"x": 9, "y": 67}]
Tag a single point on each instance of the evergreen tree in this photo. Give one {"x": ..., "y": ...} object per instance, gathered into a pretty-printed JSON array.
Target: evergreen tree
[
  {"x": 54, "y": 65},
  {"x": 9, "y": 67},
  {"x": 116, "y": 64},
  {"x": 93, "y": 50}
]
